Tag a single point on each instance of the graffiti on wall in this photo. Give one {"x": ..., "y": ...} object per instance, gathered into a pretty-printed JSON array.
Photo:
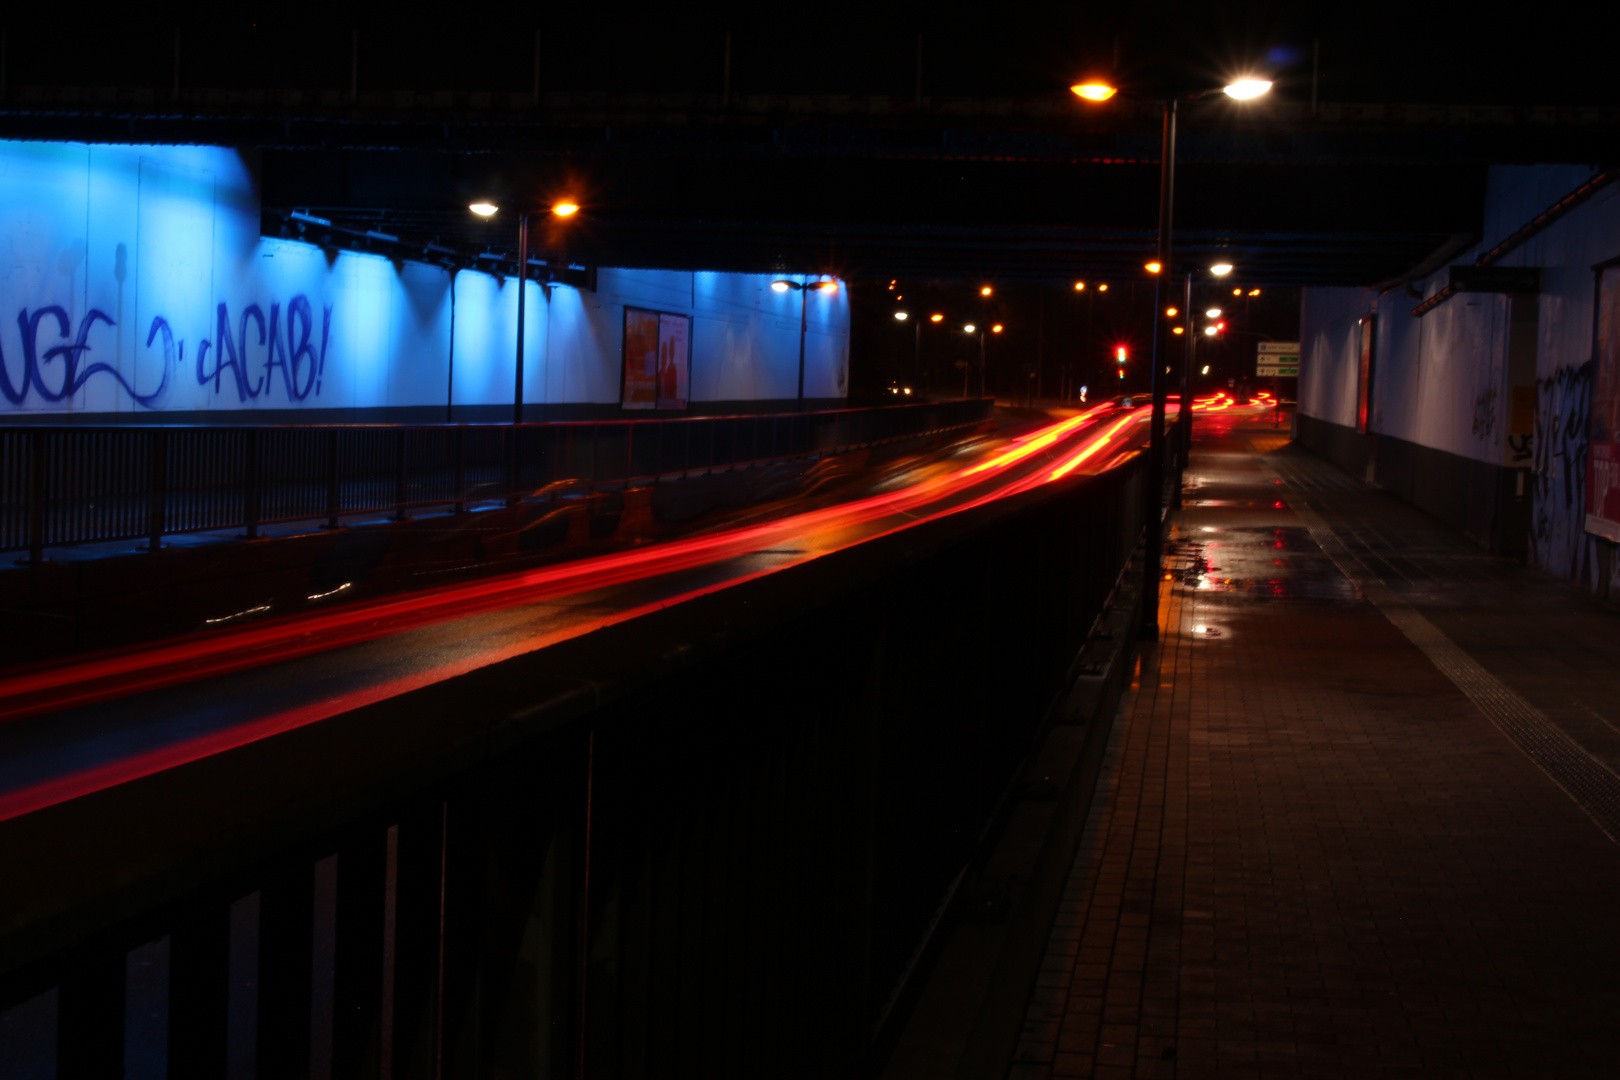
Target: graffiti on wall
[
  {"x": 1558, "y": 540},
  {"x": 264, "y": 352}
]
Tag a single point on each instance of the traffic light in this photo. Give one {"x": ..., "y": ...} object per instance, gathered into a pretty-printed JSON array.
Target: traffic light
[{"x": 1121, "y": 355}]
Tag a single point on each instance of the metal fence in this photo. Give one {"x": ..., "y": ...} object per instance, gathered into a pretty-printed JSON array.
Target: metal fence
[
  {"x": 726, "y": 870},
  {"x": 62, "y": 485}
]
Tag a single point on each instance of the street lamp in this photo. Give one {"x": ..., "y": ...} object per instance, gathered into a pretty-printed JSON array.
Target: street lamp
[
  {"x": 1096, "y": 90},
  {"x": 564, "y": 208},
  {"x": 1183, "y": 448},
  {"x": 804, "y": 288}
]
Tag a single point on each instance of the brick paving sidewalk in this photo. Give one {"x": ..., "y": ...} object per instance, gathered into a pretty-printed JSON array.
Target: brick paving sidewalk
[{"x": 1312, "y": 855}]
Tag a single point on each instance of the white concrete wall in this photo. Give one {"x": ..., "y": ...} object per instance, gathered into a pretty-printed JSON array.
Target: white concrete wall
[
  {"x": 1440, "y": 379},
  {"x": 145, "y": 288},
  {"x": 1330, "y": 352}
]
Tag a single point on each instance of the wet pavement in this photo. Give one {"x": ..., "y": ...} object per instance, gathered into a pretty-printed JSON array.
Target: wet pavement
[{"x": 1359, "y": 808}]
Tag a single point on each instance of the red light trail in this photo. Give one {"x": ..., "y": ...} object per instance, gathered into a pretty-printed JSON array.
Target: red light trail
[{"x": 141, "y": 670}]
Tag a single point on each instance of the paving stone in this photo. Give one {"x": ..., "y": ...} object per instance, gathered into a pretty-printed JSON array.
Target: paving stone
[{"x": 1311, "y": 853}]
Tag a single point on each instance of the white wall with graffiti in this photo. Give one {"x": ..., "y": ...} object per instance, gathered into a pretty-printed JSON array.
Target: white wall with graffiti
[
  {"x": 1443, "y": 380},
  {"x": 134, "y": 283}
]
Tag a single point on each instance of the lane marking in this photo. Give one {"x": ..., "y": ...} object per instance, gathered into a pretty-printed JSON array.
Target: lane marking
[{"x": 1587, "y": 781}]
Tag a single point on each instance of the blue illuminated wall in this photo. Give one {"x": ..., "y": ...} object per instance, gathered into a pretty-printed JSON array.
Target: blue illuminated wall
[{"x": 134, "y": 284}]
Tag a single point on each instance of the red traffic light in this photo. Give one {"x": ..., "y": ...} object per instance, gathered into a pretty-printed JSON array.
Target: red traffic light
[{"x": 1120, "y": 354}]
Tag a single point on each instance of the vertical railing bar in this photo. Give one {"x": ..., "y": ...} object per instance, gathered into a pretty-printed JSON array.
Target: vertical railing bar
[
  {"x": 333, "y": 494},
  {"x": 157, "y": 496},
  {"x": 36, "y": 501},
  {"x": 250, "y": 503},
  {"x": 461, "y": 469},
  {"x": 399, "y": 478}
]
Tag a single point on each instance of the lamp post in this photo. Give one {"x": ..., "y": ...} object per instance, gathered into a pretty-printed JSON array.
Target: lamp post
[
  {"x": 804, "y": 288},
  {"x": 1099, "y": 91},
  {"x": 564, "y": 208},
  {"x": 916, "y": 350},
  {"x": 1184, "y": 433}
]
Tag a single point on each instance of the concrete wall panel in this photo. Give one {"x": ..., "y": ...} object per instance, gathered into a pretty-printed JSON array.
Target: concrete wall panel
[{"x": 145, "y": 289}]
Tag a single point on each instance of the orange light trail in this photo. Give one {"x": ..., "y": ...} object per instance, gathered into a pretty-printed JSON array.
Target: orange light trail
[
  {"x": 1096, "y": 444},
  {"x": 1037, "y": 441}
]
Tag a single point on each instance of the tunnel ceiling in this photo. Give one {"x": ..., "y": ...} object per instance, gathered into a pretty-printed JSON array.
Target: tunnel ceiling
[{"x": 727, "y": 140}]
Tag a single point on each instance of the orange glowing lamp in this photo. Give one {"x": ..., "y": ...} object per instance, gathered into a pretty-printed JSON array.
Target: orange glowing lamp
[{"x": 1094, "y": 90}]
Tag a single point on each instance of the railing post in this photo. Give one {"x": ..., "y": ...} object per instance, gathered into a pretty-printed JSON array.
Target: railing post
[
  {"x": 36, "y": 499},
  {"x": 157, "y": 505},
  {"x": 399, "y": 477},
  {"x": 461, "y": 469},
  {"x": 334, "y": 493},
  {"x": 250, "y": 511},
  {"x": 513, "y": 462}
]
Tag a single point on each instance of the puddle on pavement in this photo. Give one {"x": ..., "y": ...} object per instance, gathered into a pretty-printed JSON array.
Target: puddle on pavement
[{"x": 1261, "y": 561}]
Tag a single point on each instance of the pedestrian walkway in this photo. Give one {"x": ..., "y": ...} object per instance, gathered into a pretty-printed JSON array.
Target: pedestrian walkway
[{"x": 1358, "y": 813}]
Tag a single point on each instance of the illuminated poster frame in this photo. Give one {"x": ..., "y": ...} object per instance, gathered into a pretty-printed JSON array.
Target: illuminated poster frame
[
  {"x": 656, "y": 367},
  {"x": 1603, "y": 442}
]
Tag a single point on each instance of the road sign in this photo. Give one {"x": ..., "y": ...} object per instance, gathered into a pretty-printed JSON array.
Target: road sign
[{"x": 1277, "y": 358}]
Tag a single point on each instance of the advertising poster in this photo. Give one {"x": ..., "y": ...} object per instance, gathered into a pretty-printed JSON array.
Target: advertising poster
[
  {"x": 657, "y": 359},
  {"x": 674, "y": 354},
  {"x": 640, "y": 359},
  {"x": 1603, "y": 454}
]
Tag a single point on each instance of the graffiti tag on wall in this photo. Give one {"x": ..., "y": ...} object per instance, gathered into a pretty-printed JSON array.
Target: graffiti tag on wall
[
  {"x": 264, "y": 353},
  {"x": 1557, "y": 531}
]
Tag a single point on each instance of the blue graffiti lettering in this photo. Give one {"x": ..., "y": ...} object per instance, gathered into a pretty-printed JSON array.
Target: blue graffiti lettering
[
  {"x": 299, "y": 359},
  {"x": 71, "y": 356},
  {"x": 226, "y": 356},
  {"x": 299, "y": 312}
]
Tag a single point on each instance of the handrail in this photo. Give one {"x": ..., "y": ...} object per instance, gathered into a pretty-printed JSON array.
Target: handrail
[{"x": 67, "y": 484}]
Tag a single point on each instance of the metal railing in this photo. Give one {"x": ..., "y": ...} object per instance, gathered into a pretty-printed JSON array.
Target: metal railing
[
  {"x": 610, "y": 859},
  {"x": 77, "y": 484}
]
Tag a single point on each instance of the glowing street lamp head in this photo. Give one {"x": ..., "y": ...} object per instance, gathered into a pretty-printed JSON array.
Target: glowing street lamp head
[
  {"x": 1170, "y": 312},
  {"x": 781, "y": 286},
  {"x": 1103, "y": 287},
  {"x": 996, "y": 329},
  {"x": 565, "y": 208},
  {"x": 984, "y": 290},
  {"x": 1211, "y": 331},
  {"x": 1153, "y": 267},
  {"x": 969, "y": 328},
  {"x": 1176, "y": 330},
  {"x": 1254, "y": 292},
  {"x": 1244, "y": 89},
  {"x": 936, "y": 318},
  {"x": 1094, "y": 90},
  {"x": 1079, "y": 286},
  {"x": 823, "y": 286},
  {"x": 483, "y": 209},
  {"x": 1237, "y": 292},
  {"x": 1213, "y": 313},
  {"x": 902, "y": 316},
  {"x": 1221, "y": 269}
]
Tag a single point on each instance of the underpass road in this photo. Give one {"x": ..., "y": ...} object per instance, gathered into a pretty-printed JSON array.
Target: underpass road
[{"x": 73, "y": 728}]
